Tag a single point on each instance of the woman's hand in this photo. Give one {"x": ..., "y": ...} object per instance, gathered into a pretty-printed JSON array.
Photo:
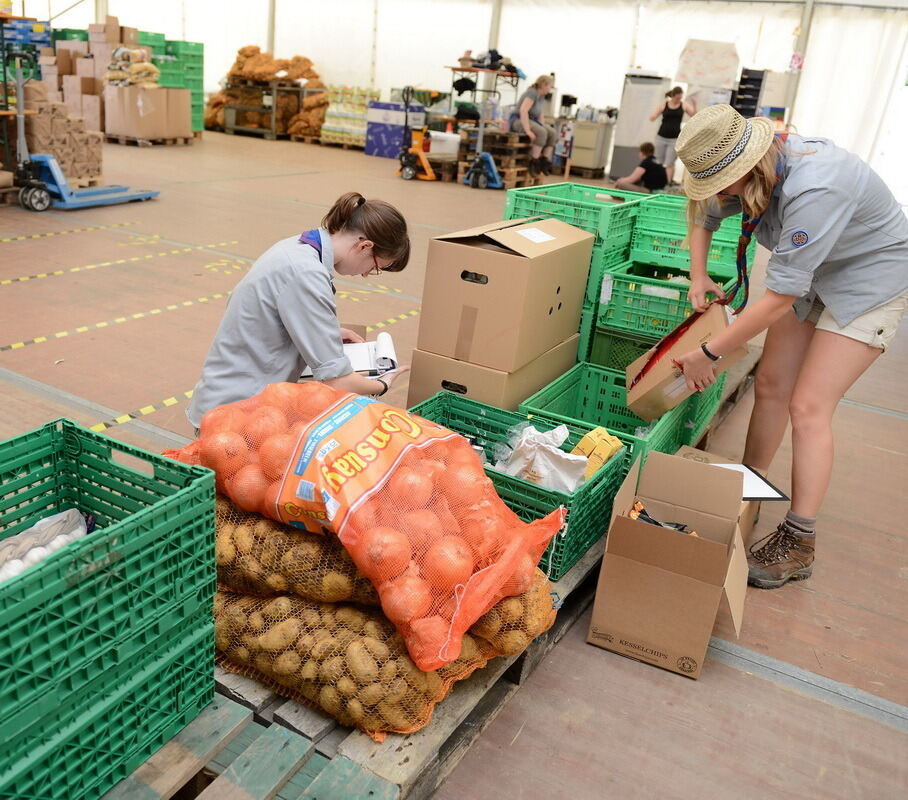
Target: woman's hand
[
  {"x": 697, "y": 369},
  {"x": 531, "y": 135},
  {"x": 394, "y": 374},
  {"x": 349, "y": 337},
  {"x": 699, "y": 288}
]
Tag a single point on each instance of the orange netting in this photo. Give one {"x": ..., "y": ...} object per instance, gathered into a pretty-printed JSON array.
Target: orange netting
[{"x": 408, "y": 499}]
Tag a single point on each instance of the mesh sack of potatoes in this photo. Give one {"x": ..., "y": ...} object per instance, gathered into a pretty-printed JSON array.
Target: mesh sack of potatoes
[{"x": 348, "y": 661}]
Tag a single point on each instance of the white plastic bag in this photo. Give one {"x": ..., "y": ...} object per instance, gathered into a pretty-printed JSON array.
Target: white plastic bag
[
  {"x": 537, "y": 457},
  {"x": 31, "y": 546}
]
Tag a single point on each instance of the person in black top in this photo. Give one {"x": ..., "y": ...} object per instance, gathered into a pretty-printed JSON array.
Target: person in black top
[
  {"x": 672, "y": 112},
  {"x": 648, "y": 176}
]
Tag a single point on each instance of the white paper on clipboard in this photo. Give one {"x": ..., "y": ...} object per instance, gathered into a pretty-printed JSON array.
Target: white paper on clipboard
[
  {"x": 756, "y": 487},
  {"x": 369, "y": 358}
]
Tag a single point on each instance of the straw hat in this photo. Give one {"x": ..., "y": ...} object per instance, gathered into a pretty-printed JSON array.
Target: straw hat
[{"x": 718, "y": 146}]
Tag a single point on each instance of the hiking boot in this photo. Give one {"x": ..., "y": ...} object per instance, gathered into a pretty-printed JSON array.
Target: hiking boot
[
  {"x": 545, "y": 166},
  {"x": 534, "y": 167},
  {"x": 783, "y": 555}
]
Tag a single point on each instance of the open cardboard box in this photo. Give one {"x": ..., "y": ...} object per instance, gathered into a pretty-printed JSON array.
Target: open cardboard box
[
  {"x": 659, "y": 590},
  {"x": 502, "y": 294},
  {"x": 663, "y": 387}
]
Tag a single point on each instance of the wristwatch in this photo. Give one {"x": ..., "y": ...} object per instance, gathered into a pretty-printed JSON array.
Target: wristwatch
[
  {"x": 709, "y": 355},
  {"x": 383, "y": 391}
]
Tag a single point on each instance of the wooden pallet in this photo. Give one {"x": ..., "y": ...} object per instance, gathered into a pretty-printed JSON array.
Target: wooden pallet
[
  {"x": 414, "y": 766},
  {"x": 179, "y": 141},
  {"x": 344, "y": 145},
  {"x": 197, "y": 134},
  {"x": 503, "y": 160},
  {"x": 84, "y": 183},
  {"x": 495, "y": 138},
  {"x": 305, "y": 139},
  {"x": 586, "y": 172},
  {"x": 445, "y": 167}
]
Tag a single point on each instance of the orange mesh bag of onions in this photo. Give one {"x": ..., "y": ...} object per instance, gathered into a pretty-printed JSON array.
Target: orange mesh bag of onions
[{"x": 408, "y": 499}]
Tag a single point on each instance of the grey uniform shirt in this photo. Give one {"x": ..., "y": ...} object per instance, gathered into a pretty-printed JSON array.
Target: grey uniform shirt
[
  {"x": 536, "y": 109},
  {"x": 280, "y": 318},
  {"x": 834, "y": 229}
]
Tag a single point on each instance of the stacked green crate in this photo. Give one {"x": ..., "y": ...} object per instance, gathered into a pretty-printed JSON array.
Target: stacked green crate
[
  {"x": 185, "y": 64},
  {"x": 70, "y": 33}
]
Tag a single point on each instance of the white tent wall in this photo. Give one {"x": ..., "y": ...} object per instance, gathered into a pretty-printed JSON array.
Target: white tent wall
[{"x": 70, "y": 16}]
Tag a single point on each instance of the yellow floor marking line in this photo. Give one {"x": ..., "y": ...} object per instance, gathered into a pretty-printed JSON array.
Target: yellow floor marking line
[
  {"x": 144, "y": 411},
  {"x": 49, "y": 234},
  {"x": 84, "y": 268},
  {"x": 116, "y": 321},
  {"x": 140, "y": 240},
  {"x": 226, "y": 266}
]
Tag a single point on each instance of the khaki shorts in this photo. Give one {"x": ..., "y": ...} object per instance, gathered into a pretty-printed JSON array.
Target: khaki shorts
[{"x": 876, "y": 328}]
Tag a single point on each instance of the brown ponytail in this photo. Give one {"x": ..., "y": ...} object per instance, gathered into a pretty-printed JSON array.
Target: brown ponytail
[
  {"x": 674, "y": 92},
  {"x": 378, "y": 221}
]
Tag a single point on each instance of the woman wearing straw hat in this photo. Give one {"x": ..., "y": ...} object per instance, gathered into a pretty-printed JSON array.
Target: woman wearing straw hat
[{"x": 836, "y": 290}]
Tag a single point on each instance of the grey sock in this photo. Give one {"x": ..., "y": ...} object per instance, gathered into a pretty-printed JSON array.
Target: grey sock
[{"x": 806, "y": 526}]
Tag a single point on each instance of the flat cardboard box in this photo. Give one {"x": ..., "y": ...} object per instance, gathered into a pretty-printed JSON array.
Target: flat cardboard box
[
  {"x": 431, "y": 373},
  {"x": 85, "y": 68},
  {"x": 502, "y": 294},
  {"x": 75, "y": 47},
  {"x": 136, "y": 112},
  {"x": 179, "y": 112},
  {"x": 77, "y": 84},
  {"x": 747, "y": 514},
  {"x": 93, "y": 112},
  {"x": 663, "y": 387},
  {"x": 659, "y": 589},
  {"x": 47, "y": 61}
]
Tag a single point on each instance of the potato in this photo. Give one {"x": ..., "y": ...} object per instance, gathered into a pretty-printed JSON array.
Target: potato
[
  {"x": 354, "y": 710},
  {"x": 263, "y": 529},
  {"x": 310, "y": 691},
  {"x": 510, "y": 609},
  {"x": 278, "y": 608},
  {"x": 372, "y": 694},
  {"x": 277, "y": 582},
  {"x": 225, "y": 550},
  {"x": 223, "y": 507},
  {"x": 281, "y": 636},
  {"x": 468, "y": 649},
  {"x": 388, "y": 671},
  {"x": 344, "y": 637},
  {"x": 362, "y": 665},
  {"x": 222, "y": 639},
  {"x": 433, "y": 684},
  {"x": 287, "y": 662},
  {"x": 372, "y": 722},
  {"x": 257, "y": 621},
  {"x": 374, "y": 629},
  {"x": 309, "y": 671},
  {"x": 336, "y": 587},
  {"x": 240, "y": 655},
  {"x": 263, "y": 663},
  {"x": 350, "y": 618},
  {"x": 252, "y": 569},
  {"x": 301, "y": 558},
  {"x": 395, "y": 716},
  {"x": 511, "y": 642},
  {"x": 243, "y": 540},
  {"x": 331, "y": 670},
  {"x": 330, "y": 700},
  {"x": 487, "y": 627},
  {"x": 376, "y": 648},
  {"x": 397, "y": 690},
  {"x": 220, "y": 603},
  {"x": 346, "y": 687},
  {"x": 235, "y": 619},
  {"x": 325, "y": 648},
  {"x": 328, "y": 618},
  {"x": 310, "y": 618}
]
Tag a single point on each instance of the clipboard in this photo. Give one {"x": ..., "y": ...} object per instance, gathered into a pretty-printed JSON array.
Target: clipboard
[
  {"x": 756, "y": 487},
  {"x": 370, "y": 359}
]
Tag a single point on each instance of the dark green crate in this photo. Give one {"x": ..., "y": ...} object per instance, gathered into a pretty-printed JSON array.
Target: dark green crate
[
  {"x": 100, "y": 737},
  {"x": 629, "y": 307},
  {"x": 669, "y": 215},
  {"x": 70, "y": 33},
  {"x": 178, "y": 48},
  {"x": 587, "y": 328},
  {"x": 587, "y": 394},
  {"x": 615, "y": 351},
  {"x": 152, "y": 555},
  {"x": 657, "y": 246},
  {"x": 152, "y": 39},
  {"x": 592, "y": 208},
  {"x": 588, "y": 508},
  {"x": 701, "y": 408},
  {"x": 171, "y": 82},
  {"x": 603, "y": 259}
]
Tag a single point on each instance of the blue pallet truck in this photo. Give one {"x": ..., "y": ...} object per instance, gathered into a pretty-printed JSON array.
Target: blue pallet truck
[
  {"x": 483, "y": 174},
  {"x": 43, "y": 184}
]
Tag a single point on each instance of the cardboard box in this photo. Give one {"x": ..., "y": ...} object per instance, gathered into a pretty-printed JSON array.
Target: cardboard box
[
  {"x": 179, "y": 112},
  {"x": 659, "y": 589},
  {"x": 47, "y": 61},
  {"x": 663, "y": 387},
  {"x": 52, "y": 77},
  {"x": 109, "y": 31},
  {"x": 73, "y": 102},
  {"x": 385, "y": 127},
  {"x": 502, "y": 294},
  {"x": 85, "y": 68},
  {"x": 75, "y": 47},
  {"x": 78, "y": 85},
  {"x": 747, "y": 514},
  {"x": 93, "y": 112},
  {"x": 431, "y": 373},
  {"x": 129, "y": 36},
  {"x": 136, "y": 112}
]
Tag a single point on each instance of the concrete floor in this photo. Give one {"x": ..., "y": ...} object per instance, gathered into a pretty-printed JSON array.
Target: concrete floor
[{"x": 111, "y": 311}]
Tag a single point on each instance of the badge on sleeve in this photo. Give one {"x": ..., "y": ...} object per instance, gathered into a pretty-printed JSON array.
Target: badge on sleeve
[{"x": 799, "y": 238}]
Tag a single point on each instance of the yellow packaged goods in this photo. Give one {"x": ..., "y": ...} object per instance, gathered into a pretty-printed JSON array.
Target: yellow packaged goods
[{"x": 598, "y": 446}]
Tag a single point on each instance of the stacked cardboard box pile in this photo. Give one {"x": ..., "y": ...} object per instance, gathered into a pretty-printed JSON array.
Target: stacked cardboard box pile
[{"x": 501, "y": 306}]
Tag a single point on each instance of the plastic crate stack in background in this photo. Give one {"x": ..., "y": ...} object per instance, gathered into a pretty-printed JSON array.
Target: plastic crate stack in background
[
  {"x": 588, "y": 508},
  {"x": 107, "y": 645},
  {"x": 182, "y": 67}
]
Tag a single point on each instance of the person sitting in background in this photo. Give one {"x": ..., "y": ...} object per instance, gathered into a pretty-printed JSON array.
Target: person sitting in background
[
  {"x": 672, "y": 112},
  {"x": 528, "y": 119},
  {"x": 648, "y": 176}
]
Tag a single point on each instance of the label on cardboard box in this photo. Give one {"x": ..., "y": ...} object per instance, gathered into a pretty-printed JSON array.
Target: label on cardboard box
[{"x": 536, "y": 235}]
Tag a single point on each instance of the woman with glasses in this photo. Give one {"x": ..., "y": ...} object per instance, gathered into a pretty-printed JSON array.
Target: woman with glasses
[{"x": 282, "y": 316}]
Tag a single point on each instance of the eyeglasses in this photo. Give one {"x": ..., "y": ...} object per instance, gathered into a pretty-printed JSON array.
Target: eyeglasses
[{"x": 376, "y": 269}]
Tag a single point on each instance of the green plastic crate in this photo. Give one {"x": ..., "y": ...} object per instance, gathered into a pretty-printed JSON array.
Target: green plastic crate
[
  {"x": 587, "y": 329},
  {"x": 151, "y": 557},
  {"x": 171, "y": 81},
  {"x": 588, "y": 508},
  {"x": 70, "y": 33},
  {"x": 657, "y": 246},
  {"x": 586, "y": 207},
  {"x": 669, "y": 215},
  {"x": 701, "y": 408},
  {"x": 90, "y": 744},
  {"x": 629, "y": 307},
  {"x": 147, "y": 39},
  {"x": 587, "y": 394},
  {"x": 617, "y": 351},
  {"x": 602, "y": 260},
  {"x": 179, "y": 48}
]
